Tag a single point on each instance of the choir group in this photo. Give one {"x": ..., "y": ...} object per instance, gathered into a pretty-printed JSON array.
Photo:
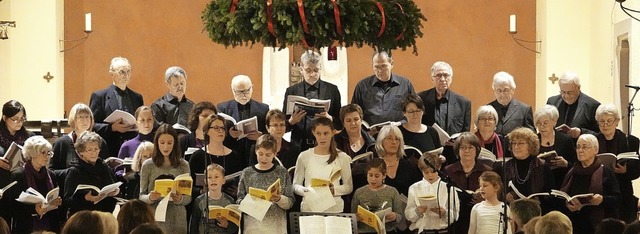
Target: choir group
[{"x": 359, "y": 155}]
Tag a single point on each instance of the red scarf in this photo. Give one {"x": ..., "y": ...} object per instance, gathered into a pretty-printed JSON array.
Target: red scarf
[{"x": 493, "y": 139}]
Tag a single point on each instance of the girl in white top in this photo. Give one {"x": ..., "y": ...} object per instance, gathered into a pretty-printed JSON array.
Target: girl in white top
[
  {"x": 485, "y": 216},
  {"x": 321, "y": 162},
  {"x": 436, "y": 215}
]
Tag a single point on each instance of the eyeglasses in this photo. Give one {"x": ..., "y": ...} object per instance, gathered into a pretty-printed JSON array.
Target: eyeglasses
[
  {"x": 465, "y": 148},
  {"x": 519, "y": 144},
  {"x": 48, "y": 153},
  {"x": 583, "y": 147},
  {"x": 502, "y": 91},
  {"x": 92, "y": 151},
  {"x": 217, "y": 128},
  {"x": 16, "y": 120},
  {"x": 487, "y": 119},
  {"x": 411, "y": 112},
  {"x": 277, "y": 125},
  {"x": 607, "y": 122},
  {"x": 543, "y": 124},
  {"x": 83, "y": 117},
  {"x": 438, "y": 76},
  {"x": 124, "y": 72},
  {"x": 309, "y": 70},
  {"x": 243, "y": 92}
]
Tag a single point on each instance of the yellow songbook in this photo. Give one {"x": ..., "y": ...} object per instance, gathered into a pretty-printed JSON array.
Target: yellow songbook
[
  {"x": 265, "y": 194},
  {"x": 181, "y": 184},
  {"x": 231, "y": 212}
]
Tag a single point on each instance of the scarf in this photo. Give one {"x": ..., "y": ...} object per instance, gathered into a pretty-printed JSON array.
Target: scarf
[
  {"x": 493, "y": 139},
  {"x": 619, "y": 143},
  {"x": 596, "y": 170},
  {"x": 33, "y": 176}
]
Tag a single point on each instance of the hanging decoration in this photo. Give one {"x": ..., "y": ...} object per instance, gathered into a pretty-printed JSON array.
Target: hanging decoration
[{"x": 381, "y": 24}]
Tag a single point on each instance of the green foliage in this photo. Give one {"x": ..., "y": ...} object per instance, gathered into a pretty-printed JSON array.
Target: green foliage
[{"x": 361, "y": 21}]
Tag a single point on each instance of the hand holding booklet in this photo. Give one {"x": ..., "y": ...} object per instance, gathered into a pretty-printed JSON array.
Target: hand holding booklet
[
  {"x": 444, "y": 136},
  {"x": 13, "y": 156},
  {"x": 244, "y": 126},
  {"x": 231, "y": 212},
  {"x": 375, "y": 220},
  {"x": 122, "y": 116},
  {"x": 257, "y": 202},
  {"x": 181, "y": 184},
  {"x": 610, "y": 160},
  {"x": 32, "y": 196},
  {"x": 584, "y": 199},
  {"x": 101, "y": 193},
  {"x": 311, "y": 106}
]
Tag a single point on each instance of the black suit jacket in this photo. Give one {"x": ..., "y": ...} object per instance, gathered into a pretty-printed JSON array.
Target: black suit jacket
[
  {"x": 255, "y": 109},
  {"x": 519, "y": 114},
  {"x": 301, "y": 131},
  {"x": 103, "y": 103},
  {"x": 585, "y": 116},
  {"x": 459, "y": 111}
]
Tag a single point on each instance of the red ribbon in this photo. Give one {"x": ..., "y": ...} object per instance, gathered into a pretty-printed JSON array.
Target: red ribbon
[
  {"x": 336, "y": 16},
  {"x": 302, "y": 17},
  {"x": 234, "y": 3},
  {"x": 304, "y": 42},
  {"x": 270, "y": 18},
  {"x": 384, "y": 21},
  {"x": 401, "y": 33}
]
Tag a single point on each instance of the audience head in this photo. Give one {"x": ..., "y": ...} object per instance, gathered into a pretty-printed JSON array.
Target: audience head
[
  {"x": 166, "y": 146},
  {"x": 390, "y": 141},
  {"x": 323, "y": 131},
  {"x": 569, "y": 87},
  {"x": 88, "y": 146},
  {"x": 486, "y": 118},
  {"x": 176, "y": 79},
  {"x": 133, "y": 213},
  {"x": 382, "y": 65},
  {"x": 214, "y": 128},
  {"x": 276, "y": 123},
  {"x": 554, "y": 222},
  {"x": 199, "y": 113},
  {"x": 633, "y": 228},
  {"x": 81, "y": 118},
  {"x": 467, "y": 146},
  {"x": 351, "y": 117},
  {"x": 242, "y": 89},
  {"x": 426, "y": 164},
  {"x": 611, "y": 226},
  {"x": 13, "y": 116},
  {"x": 94, "y": 222},
  {"x": 586, "y": 149},
  {"x": 490, "y": 184},
  {"x": 545, "y": 119},
  {"x": 120, "y": 71},
  {"x": 521, "y": 211},
  {"x": 37, "y": 150},
  {"x": 143, "y": 152},
  {"x": 311, "y": 66},
  {"x": 524, "y": 143},
  {"x": 608, "y": 117},
  {"x": 441, "y": 75},
  {"x": 412, "y": 108},
  {"x": 147, "y": 228},
  {"x": 503, "y": 87},
  {"x": 266, "y": 149},
  {"x": 376, "y": 172},
  {"x": 215, "y": 177},
  {"x": 530, "y": 227},
  {"x": 144, "y": 120},
  {"x": 4, "y": 227}
]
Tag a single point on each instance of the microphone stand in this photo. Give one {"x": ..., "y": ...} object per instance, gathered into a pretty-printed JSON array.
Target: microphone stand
[
  {"x": 630, "y": 110},
  {"x": 503, "y": 215},
  {"x": 450, "y": 184},
  {"x": 206, "y": 181}
]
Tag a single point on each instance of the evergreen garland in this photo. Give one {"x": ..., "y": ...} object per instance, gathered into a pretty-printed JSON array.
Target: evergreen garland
[{"x": 360, "y": 21}]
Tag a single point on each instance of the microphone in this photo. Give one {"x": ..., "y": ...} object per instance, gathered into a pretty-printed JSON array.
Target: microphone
[
  {"x": 632, "y": 86},
  {"x": 206, "y": 138}
]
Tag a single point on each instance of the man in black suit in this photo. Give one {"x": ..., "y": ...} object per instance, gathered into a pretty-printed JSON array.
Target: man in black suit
[
  {"x": 240, "y": 108},
  {"x": 312, "y": 87},
  {"x": 576, "y": 109},
  {"x": 173, "y": 107},
  {"x": 511, "y": 112},
  {"x": 451, "y": 111},
  {"x": 115, "y": 97}
]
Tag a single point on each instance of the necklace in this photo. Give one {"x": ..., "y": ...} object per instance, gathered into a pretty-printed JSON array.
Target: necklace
[{"x": 520, "y": 180}]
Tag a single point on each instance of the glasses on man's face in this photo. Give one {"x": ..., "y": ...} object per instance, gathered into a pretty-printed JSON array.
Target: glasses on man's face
[
  {"x": 48, "y": 153},
  {"x": 486, "y": 119},
  {"x": 17, "y": 120},
  {"x": 502, "y": 91},
  {"x": 280, "y": 125},
  {"x": 607, "y": 122},
  {"x": 124, "y": 72},
  {"x": 243, "y": 92},
  {"x": 441, "y": 76},
  {"x": 217, "y": 128},
  {"x": 583, "y": 147},
  {"x": 411, "y": 112}
]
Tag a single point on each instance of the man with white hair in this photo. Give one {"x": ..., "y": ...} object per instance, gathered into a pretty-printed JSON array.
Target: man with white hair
[
  {"x": 451, "y": 111},
  {"x": 174, "y": 106},
  {"x": 240, "y": 108},
  {"x": 115, "y": 97},
  {"x": 312, "y": 87},
  {"x": 576, "y": 109},
  {"x": 511, "y": 112}
]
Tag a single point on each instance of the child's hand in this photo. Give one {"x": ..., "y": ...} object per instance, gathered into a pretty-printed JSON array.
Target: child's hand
[
  {"x": 176, "y": 197},
  {"x": 390, "y": 217},
  {"x": 222, "y": 221},
  {"x": 275, "y": 196},
  {"x": 154, "y": 196}
]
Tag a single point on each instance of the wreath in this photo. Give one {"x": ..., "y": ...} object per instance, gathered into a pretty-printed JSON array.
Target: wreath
[{"x": 384, "y": 25}]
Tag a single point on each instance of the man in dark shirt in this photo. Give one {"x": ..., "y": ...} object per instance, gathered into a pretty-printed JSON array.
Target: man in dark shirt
[
  {"x": 380, "y": 95},
  {"x": 511, "y": 112},
  {"x": 312, "y": 87},
  {"x": 115, "y": 97},
  {"x": 576, "y": 109},
  {"x": 174, "y": 106},
  {"x": 451, "y": 111}
]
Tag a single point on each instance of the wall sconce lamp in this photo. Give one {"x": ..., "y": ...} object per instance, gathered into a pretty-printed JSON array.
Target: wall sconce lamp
[
  {"x": 4, "y": 35},
  {"x": 513, "y": 31}
]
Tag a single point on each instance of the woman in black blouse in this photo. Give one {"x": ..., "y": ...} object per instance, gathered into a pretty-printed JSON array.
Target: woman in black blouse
[
  {"x": 287, "y": 153},
  {"x": 416, "y": 134},
  {"x": 401, "y": 173},
  {"x": 198, "y": 114},
  {"x": 353, "y": 140},
  {"x": 545, "y": 119},
  {"x": 12, "y": 125}
]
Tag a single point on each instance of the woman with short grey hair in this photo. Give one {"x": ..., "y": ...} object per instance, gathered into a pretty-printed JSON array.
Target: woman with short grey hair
[
  {"x": 35, "y": 174},
  {"x": 485, "y": 121},
  {"x": 545, "y": 119}
]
